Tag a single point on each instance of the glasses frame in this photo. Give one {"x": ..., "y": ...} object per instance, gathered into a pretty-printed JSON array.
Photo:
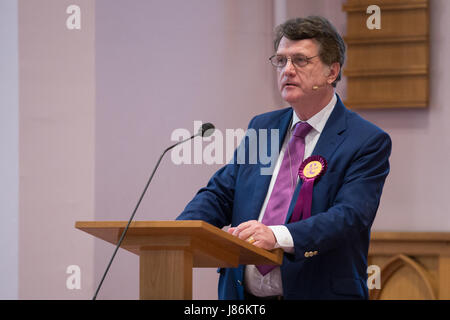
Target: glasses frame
[{"x": 290, "y": 58}]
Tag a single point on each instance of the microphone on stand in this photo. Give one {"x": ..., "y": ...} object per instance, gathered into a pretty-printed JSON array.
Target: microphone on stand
[{"x": 205, "y": 130}]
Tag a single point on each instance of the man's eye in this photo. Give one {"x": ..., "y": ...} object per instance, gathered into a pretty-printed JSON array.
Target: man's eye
[
  {"x": 299, "y": 60},
  {"x": 280, "y": 60}
]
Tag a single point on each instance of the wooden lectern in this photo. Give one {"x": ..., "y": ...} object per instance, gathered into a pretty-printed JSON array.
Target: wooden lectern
[{"x": 168, "y": 250}]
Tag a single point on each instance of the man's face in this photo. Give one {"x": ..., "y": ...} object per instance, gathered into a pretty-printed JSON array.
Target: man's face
[{"x": 296, "y": 83}]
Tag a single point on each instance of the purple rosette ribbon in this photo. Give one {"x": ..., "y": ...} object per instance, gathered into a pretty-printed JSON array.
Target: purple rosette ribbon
[{"x": 310, "y": 170}]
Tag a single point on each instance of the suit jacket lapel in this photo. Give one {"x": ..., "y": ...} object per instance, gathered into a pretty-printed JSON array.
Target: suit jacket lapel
[{"x": 330, "y": 138}]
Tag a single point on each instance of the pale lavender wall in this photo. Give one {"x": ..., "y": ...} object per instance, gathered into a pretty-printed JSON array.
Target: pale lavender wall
[
  {"x": 416, "y": 193},
  {"x": 56, "y": 148},
  {"x": 9, "y": 150},
  {"x": 160, "y": 65}
]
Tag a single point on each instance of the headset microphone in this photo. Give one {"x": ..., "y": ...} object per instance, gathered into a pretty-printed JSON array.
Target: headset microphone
[{"x": 317, "y": 87}]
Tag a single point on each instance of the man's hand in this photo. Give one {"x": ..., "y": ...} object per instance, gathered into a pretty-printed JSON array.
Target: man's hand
[{"x": 256, "y": 233}]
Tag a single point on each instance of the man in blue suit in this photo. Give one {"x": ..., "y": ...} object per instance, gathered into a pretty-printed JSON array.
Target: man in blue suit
[{"x": 325, "y": 250}]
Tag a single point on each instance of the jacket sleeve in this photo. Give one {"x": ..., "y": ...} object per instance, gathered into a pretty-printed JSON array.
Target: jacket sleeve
[
  {"x": 354, "y": 206},
  {"x": 214, "y": 203}
]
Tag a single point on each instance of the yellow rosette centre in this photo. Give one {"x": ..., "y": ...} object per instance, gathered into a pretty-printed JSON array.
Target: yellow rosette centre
[{"x": 312, "y": 169}]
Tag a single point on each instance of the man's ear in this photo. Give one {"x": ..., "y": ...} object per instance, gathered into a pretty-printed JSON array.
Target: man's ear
[{"x": 333, "y": 72}]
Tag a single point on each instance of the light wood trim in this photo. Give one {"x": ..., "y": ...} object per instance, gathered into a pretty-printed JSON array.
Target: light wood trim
[
  {"x": 410, "y": 236},
  {"x": 411, "y": 71},
  {"x": 410, "y": 248},
  {"x": 385, "y": 39},
  {"x": 444, "y": 276},
  {"x": 385, "y": 104},
  {"x": 396, "y": 263},
  {"x": 387, "y": 6},
  {"x": 427, "y": 254}
]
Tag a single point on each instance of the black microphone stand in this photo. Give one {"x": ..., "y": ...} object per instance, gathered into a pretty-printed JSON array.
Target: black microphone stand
[{"x": 201, "y": 132}]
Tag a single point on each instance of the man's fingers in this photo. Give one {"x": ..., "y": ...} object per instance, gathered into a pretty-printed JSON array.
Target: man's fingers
[
  {"x": 257, "y": 234},
  {"x": 236, "y": 231},
  {"x": 259, "y": 244},
  {"x": 263, "y": 245},
  {"x": 254, "y": 232},
  {"x": 247, "y": 224},
  {"x": 245, "y": 234}
]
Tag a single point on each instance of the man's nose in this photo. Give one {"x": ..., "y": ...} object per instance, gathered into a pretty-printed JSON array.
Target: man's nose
[{"x": 289, "y": 68}]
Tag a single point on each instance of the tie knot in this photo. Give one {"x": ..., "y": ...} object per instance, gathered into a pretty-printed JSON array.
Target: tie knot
[{"x": 302, "y": 129}]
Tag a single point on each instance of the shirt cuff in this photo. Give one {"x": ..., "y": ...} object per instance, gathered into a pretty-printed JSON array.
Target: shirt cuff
[{"x": 284, "y": 238}]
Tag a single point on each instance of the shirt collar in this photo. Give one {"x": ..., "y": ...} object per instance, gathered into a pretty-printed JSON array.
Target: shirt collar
[{"x": 319, "y": 120}]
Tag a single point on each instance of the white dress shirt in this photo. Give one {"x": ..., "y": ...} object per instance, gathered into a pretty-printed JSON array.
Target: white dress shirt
[{"x": 270, "y": 284}]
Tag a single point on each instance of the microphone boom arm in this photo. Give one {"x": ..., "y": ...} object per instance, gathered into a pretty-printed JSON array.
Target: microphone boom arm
[{"x": 135, "y": 209}]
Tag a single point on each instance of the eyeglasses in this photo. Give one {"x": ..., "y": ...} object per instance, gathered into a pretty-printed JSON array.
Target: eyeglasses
[{"x": 299, "y": 61}]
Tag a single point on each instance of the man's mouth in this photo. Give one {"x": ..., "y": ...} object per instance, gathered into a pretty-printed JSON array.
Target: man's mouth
[{"x": 290, "y": 84}]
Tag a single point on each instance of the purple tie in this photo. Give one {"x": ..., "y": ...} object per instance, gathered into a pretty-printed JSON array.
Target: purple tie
[{"x": 277, "y": 208}]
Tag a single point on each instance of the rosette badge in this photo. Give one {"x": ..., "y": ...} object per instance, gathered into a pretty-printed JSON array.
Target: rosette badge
[{"x": 310, "y": 170}]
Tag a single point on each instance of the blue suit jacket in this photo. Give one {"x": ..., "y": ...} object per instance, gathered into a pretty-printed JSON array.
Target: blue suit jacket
[{"x": 345, "y": 201}]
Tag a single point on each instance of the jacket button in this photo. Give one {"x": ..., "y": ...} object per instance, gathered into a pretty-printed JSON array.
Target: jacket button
[
  {"x": 306, "y": 254},
  {"x": 239, "y": 282},
  {"x": 316, "y": 253}
]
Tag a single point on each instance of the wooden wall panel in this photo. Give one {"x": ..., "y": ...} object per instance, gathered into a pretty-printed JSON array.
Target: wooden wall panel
[
  {"x": 388, "y": 67},
  {"x": 414, "y": 265},
  {"x": 412, "y": 53},
  {"x": 386, "y": 91}
]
